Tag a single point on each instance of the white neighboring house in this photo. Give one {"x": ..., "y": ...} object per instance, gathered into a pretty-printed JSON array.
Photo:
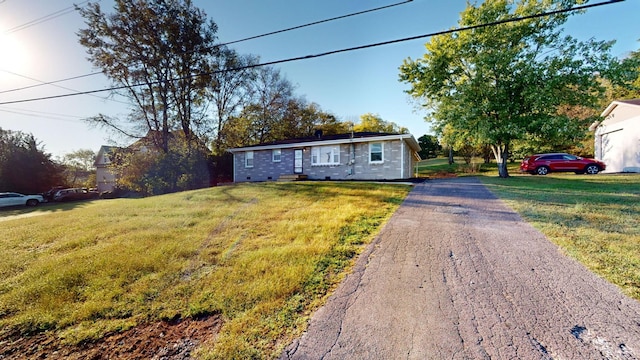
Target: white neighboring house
[
  {"x": 105, "y": 178},
  {"x": 617, "y": 136}
]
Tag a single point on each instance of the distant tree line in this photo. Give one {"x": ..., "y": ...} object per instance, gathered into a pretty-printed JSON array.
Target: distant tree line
[{"x": 25, "y": 167}]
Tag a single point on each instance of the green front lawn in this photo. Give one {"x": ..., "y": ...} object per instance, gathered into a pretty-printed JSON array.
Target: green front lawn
[
  {"x": 262, "y": 256},
  {"x": 593, "y": 218}
]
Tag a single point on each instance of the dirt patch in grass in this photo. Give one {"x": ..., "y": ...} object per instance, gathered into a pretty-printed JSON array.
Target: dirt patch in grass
[{"x": 169, "y": 340}]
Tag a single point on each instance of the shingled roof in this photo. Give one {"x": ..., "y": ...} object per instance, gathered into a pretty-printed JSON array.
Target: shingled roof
[{"x": 337, "y": 138}]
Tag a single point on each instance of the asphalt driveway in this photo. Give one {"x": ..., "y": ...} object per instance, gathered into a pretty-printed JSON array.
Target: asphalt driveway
[{"x": 455, "y": 274}]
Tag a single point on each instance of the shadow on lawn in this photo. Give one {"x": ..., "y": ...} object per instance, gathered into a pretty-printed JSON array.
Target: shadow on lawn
[{"x": 14, "y": 212}]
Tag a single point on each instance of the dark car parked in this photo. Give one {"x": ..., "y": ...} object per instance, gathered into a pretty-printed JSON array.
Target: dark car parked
[
  {"x": 73, "y": 194},
  {"x": 542, "y": 164}
]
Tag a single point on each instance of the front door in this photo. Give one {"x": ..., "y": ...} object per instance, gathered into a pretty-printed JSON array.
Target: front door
[{"x": 297, "y": 161}]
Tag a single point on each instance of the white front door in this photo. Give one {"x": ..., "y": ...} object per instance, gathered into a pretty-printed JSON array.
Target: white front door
[{"x": 297, "y": 161}]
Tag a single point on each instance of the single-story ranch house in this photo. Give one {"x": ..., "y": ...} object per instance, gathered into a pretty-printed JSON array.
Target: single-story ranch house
[
  {"x": 353, "y": 156},
  {"x": 617, "y": 137}
]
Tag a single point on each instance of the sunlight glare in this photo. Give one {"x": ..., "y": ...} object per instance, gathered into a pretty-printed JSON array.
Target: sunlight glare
[{"x": 13, "y": 54}]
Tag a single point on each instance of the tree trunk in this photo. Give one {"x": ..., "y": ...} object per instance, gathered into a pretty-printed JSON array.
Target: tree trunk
[
  {"x": 450, "y": 155},
  {"x": 500, "y": 152}
]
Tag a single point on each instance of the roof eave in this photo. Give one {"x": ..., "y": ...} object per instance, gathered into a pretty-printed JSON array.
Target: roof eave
[
  {"x": 609, "y": 109},
  {"x": 408, "y": 137}
]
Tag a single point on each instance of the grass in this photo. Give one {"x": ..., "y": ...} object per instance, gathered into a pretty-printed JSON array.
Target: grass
[
  {"x": 262, "y": 256},
  {"x": 440, "y": 168},
  {"x": 593, "y": 218}
]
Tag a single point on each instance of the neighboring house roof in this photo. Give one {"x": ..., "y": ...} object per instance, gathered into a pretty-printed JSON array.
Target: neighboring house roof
[
  {"x": 331, "y": 140},
  {"x": 613, "y": 105},
  {"x": 611, "y": 108},
  {"x": 100, "y": 157}
]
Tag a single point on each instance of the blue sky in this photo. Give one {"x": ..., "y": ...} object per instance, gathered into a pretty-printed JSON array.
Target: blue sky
[{"x": 347, "y": 84}]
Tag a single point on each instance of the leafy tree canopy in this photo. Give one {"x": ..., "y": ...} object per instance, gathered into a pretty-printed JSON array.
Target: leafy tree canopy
[
  {"x": 24, "y": 166},
  {"x": 627, "y": 85},
  {"x": 159, "y": 51},
  {"x": 374, "y": 123},
  {"x": 507, "y": 82},
  {"x": 430, "y": 146},
  {"x": 79, "y": 168}
]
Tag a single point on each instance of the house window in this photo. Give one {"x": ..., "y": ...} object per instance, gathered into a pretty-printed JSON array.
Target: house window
[
  {"x": 248, "y": 159},
  {"x": 376, "y": 153},
  {"x": 325, "y": 155},
  {"x": 276, "y": 155}
]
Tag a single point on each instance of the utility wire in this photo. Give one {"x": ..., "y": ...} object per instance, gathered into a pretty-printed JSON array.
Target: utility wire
[
  {"x": 235, "y": 41},
  {"x": 315, "y": 23},
  {"x": 40, "y": 114},
  {"x": 466, "y": 28},
  {"x": 61, "y": 87},
  {"x": 45, "y": 18},
  {"x": 42, "y": 83}
]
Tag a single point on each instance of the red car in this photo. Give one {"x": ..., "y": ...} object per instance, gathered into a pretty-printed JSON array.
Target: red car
[{"x": 542, "y": 164}]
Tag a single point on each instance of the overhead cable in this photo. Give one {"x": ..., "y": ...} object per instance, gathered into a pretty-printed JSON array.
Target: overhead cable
[
  {"x": 236, "y": 41},
  {"x": 61, "y": 87},
  {"x": 42, "y": 83},
  {"x": 466, "y": 28},
  {"x": 40, "y": 114},
  {"x": 315, "y": 23},
  {"x": 45, "y": 18}
]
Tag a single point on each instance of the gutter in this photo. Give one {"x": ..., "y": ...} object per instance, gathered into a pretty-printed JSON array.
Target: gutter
[{"x": 328, "y": 142}]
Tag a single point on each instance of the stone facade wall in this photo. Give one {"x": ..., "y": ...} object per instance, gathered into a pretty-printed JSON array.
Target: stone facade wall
[{"x": 354, "y": 164}]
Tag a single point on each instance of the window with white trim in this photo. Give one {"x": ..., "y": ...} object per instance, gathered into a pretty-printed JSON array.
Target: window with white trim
[
  {"x": 376, "y": 153},
  {"x": 276, "y": 155},
  {"x": 248, "y": 159},
  {"x": 325, "y": 155}
]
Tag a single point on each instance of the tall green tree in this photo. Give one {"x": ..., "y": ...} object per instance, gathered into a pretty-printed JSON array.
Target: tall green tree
[
  {"x": 272, "y": 95},
  {"x": 430, "y": 146},
  {"x": 330, "y": 125},
  {"x": 628, "y": 85},
  {"x": 274, "y": 113},
  {"x": 232, "y": 89},
  {"x": 374, "y": 123},
  {"x": 159, "y": 51},
  {"x": 79, "y": 165},
  {"x": 297, "y": 119},
  {"x": 24, "y": 166},
  {"x": 507, "y": 82}
]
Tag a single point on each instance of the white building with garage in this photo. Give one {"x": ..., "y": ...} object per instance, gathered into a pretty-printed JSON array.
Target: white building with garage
[{"x": 617, "y": 136}]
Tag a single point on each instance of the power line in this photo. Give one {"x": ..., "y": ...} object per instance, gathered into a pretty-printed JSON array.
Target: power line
[
  {"x": 46, "y": 82},
  {"x": 235, "y": 41},
  {"x": 43, "y": 115},
  {"x": 61, "y": 87},
  {"x": 45, "y": 18},
  {"x": 466, "y": 28},
  {"x": 315, "y": 23}
]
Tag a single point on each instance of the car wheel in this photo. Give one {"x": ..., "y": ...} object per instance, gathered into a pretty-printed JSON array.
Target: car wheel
[
  {"x": 542, "y": 170},
  {"x": 32, "y": 202},
  {"x": 592, "y": 169}
]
